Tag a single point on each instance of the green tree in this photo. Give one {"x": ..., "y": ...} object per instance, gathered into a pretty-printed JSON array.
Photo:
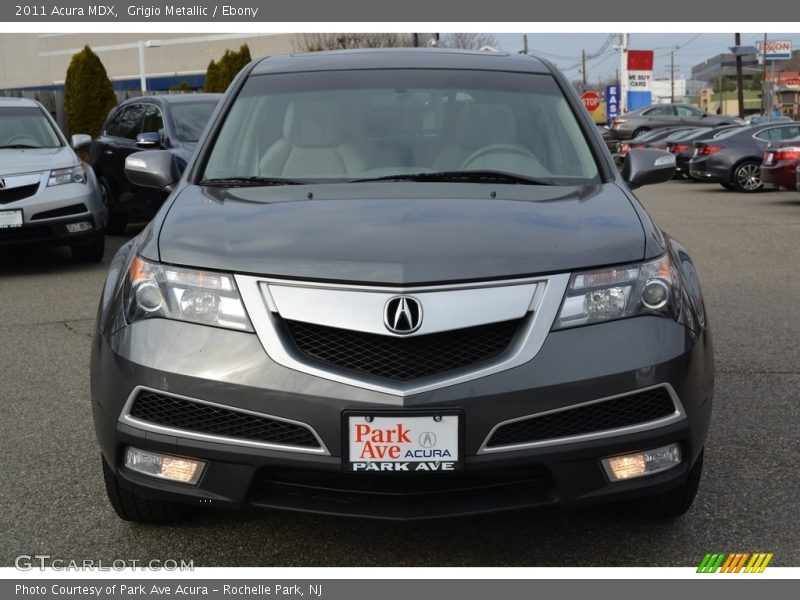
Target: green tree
[
  {"x": 220, "y": 74},
  {"x": 88, "y": 95},
  {"x": 182, "y": 86}
]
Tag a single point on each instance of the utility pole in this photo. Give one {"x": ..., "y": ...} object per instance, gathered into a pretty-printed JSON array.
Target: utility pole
[
  {"x": 764, "y": 103},
  {"x": 672, "y": 75},
  {"x": 739, "y": 78},
  {"x": 623, "y": 73},
  {"x": 583, "y": 67}
]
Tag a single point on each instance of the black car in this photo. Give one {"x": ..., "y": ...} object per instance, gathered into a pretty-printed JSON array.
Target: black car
[
  {"x": 171, "y": 122},
  {"x": 733, "y": 158},
  {"x": 401, "y": 284},
  {"x": 682, "y": 145}
]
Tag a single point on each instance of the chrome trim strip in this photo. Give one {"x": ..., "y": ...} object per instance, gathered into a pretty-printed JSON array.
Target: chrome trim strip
[
  {"x": 126, "y": 418},
  {"x": 678, "y": 415},
  {"x": 16, "y": 181},
  {"x": 549, "y": 293},
  {"x": 363, "y": 311}
]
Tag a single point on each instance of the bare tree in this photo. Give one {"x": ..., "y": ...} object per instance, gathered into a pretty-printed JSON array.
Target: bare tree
[
  {"x": 315, "y": 42},
  {"x": 471, "y": 41}
]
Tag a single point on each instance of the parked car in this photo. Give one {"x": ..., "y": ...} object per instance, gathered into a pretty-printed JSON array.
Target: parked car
[
  {"x": 172, "y": 122},
  {"x": 762, "y": 119},
  {"x": 645, "y": 140},
  {"x": 780, "y": 163},
  {"x": 401, "y": 284},
  {"x": 733, "y": 158},
  {"x": 636, "y": 122},
  {"x": 682, "y": 146},
  {"x": 47, "y": 194}
]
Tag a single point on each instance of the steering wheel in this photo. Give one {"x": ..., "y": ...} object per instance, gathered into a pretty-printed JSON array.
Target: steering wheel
[
  {"x": 22, "y": 139},
  {"x": 498, "y": 149}
]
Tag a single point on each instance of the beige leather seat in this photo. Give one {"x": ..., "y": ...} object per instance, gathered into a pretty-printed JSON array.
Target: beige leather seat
[
  {"x": 478, "y": 125},
  {"x": 314, "y": 145}
]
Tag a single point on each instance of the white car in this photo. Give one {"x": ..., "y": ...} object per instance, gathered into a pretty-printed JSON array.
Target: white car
[{"x": 47, "y": 194}]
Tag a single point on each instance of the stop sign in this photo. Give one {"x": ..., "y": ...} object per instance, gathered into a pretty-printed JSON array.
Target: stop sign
[{"x": 590, "y": 100}]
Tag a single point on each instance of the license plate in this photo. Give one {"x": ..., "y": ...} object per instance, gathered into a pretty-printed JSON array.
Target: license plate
[
  {"x": 769, "y": 158},
  {"x": 402, "y": 443},
  {"x": 10, "y": 218}
]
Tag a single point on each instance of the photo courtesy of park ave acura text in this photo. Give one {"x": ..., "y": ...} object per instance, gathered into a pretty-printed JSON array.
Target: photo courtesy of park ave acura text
[{"x": 480, "y": 299}]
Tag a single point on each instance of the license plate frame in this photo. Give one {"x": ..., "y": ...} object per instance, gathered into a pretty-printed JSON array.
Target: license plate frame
[
  {"x": 11, "y": 219},
  {"x": 396, "y": 416}
]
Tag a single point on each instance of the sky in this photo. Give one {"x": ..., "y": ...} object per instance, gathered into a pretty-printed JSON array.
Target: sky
[{"x": 564, "y": 49}]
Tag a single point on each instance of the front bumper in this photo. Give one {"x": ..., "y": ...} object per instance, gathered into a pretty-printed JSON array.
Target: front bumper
[
  {"x": 232, "y": 369},
  {"x": 47, "y": 213}
]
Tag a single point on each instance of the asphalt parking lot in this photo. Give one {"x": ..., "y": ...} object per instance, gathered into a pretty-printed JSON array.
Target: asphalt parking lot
[{"x": 747, "y": 248}]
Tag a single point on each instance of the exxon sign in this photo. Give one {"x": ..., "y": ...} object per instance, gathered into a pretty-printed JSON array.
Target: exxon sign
[{"x": 776, "y": 49}]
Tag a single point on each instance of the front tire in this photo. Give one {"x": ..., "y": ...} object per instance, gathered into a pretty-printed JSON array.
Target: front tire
[
  {"x": 747, "y": 177},
  {"x": 639, "y": 132},
  {"x": 671, "y": 504},
  {"x": 137, "y": 509},
  {"x": 117, "y": 221},
  {"x": 90, "y": 252}
]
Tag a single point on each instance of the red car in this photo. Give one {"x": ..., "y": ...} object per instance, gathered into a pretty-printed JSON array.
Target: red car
[{"x": 780, "y": 163}]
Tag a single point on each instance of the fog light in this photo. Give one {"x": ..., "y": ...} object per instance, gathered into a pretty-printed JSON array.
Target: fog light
[
  {"x": 163, "y": 466},
  {"x": 78, "y": 227},
  {"x": 638, "y": 464}
]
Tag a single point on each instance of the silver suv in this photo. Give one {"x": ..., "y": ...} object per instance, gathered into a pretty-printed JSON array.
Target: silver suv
[{"x": 47, "y": 194}]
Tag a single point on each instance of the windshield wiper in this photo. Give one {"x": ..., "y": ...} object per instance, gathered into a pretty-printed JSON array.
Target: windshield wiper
[
  {"x": 483, "y": 176},
  {"x": 21, "y": 147},
  {"x": 249, "y": 181}
]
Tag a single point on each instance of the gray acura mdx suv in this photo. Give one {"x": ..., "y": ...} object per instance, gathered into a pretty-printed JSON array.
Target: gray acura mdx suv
[{"x": 401, "y": 284}]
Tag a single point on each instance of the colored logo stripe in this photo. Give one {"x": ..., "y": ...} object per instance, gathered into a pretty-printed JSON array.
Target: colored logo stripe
[{"x": 735, "y": 562}]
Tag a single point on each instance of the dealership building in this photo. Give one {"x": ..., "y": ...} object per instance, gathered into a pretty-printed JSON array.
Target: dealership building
[{"x": 35, "y": 65}]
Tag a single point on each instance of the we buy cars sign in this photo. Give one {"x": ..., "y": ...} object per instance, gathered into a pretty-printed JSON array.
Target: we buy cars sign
[{"x": 590, "y": 100}]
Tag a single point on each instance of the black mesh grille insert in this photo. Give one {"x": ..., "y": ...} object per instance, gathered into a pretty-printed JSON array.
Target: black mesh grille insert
[
  {"x": 18, "y": 193},
  {"x": 610, "y": 414},
  {"x": 402, "y": 358},
  {"x": 203, "y": 418}
]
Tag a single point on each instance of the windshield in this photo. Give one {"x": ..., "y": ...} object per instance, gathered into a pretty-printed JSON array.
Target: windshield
[
  {"x": 26, "y": 127},
  {"x": 190, "y": 119},
  {"x": 365, "y": 124}
]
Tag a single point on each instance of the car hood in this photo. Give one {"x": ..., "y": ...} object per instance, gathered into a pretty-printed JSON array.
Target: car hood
[
  {"x": 401, "y": 233},
  {"x": 29, "y": 160}
]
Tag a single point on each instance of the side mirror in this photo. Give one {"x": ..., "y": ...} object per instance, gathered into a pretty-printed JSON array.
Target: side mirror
[
  {"x": 148, "y": 141},
  {"x": 153, "y": 169},
  {"x": 80, "y": 140},
  {"x": 646, "y": 167}
]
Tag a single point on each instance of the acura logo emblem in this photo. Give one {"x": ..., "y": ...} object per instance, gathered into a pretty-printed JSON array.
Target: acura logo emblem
[
  {"x": 402, "y": 314},
  {"x": 2, "y": 183}
]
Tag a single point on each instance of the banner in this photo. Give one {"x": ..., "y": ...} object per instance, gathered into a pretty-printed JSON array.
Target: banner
[
  {"x": 612, "y": 103},
  {"x": 640, "y": 77}
]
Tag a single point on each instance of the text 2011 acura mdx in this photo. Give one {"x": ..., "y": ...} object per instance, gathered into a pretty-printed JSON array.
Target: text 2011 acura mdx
[{"x": 401, "y": 284}]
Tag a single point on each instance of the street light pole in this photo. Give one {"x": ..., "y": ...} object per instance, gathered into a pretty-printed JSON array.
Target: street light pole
[{"x": 142, "y": 76}]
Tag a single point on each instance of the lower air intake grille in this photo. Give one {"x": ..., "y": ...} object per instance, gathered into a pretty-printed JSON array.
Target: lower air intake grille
[
  {"x": 8, "y": 195},
  {"x": 402, "y": 358},
  {"x": 213, "y": 420},
  {"x": 600, "y": 416}
]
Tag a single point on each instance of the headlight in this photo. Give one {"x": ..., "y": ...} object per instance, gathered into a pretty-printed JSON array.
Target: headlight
[
  {"x": 156, "y": 290},
  {"x": 618, "y": 292},
  {"x": 69, "y": 175}
]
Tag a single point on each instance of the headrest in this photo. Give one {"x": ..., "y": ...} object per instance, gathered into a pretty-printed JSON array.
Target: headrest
[
  {"x": 314, "y": 124},
  {"x": 480, "y": 125}
]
